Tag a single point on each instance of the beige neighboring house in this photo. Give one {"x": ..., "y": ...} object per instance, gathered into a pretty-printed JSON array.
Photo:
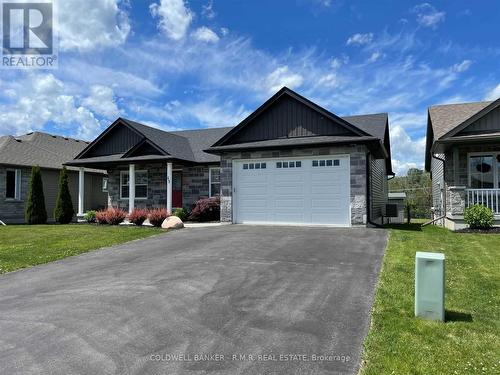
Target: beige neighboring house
[
  {"x": 463, "y": 156},
  {"x": 19, "y": 154}
]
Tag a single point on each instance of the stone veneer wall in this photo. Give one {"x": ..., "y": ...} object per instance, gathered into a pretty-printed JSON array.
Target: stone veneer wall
[
  {"x": 194, "y": 185},
  {"x": 358, "y": 175}
]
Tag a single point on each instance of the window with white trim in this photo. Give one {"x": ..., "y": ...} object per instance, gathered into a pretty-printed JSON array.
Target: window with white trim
[
  {"x": 214, "y": 182},
  {"x": 141, "y": 184},
  {"x": 13, "y": 184},
  {"x": 484, "y": 171}
]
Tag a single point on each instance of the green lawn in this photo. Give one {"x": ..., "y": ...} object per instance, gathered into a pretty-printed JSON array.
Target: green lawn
[
  {"x": 27, "y": 245},
  {"x": 469, "y": 341}
]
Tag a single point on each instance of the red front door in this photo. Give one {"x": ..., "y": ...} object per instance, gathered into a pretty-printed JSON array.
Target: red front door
[{"x": 176, "y": 189}]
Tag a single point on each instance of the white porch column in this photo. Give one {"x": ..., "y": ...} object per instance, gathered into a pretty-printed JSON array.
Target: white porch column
[
  {"x": 131, "y": 188},
  {"x": 169, "y": 187},
  {"x": 81, "y": 191}
]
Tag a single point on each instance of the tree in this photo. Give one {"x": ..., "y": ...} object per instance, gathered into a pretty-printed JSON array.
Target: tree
[
  {"x": 63, "y": 213},
  {"x": 418, "y": 188},
  {"x": 35, "y": 207}
]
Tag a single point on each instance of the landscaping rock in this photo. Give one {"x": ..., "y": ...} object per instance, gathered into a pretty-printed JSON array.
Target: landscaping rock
[{"x": 172, "y": 222}]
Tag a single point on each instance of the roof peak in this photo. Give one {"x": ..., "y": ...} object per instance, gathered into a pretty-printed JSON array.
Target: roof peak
[{"x": 485, "y": 102}]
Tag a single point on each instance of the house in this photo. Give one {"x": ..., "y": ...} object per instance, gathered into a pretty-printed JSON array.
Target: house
[
  {"x": 398, "y": 202},
  {"x": 19, "y": 154},
  {"x": 289, "y": 162},
  {"x": 463, "y": 156}
]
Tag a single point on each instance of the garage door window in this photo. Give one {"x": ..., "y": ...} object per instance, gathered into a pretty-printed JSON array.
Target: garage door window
[
  {"x": 326, "y": 163},
  {"x": 254, "y": 166},
  {"x": 288, "y": 164}
]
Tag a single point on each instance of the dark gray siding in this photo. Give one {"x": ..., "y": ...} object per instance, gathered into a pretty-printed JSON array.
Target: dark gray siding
[
  {"x": 288, "y": 118},
  {"x": 378, "y": 188},
  {"x": 117, "y": 141},
  {"x": 486, "y": 124}
]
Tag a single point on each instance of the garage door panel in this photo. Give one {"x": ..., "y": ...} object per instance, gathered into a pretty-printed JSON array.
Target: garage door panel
[{"x": 307, "y": 194}]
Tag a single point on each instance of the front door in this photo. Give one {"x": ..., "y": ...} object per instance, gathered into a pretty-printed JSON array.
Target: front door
[{"x": 177, "y": 189}]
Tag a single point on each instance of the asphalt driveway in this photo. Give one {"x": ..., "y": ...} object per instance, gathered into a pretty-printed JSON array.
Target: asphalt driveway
[{"x": 223, "y": 300}]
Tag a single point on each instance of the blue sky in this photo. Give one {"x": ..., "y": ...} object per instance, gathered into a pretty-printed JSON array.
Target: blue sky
[{"x": 180, "y": 64}]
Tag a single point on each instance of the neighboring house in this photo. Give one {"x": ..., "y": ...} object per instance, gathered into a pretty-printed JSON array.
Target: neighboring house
[
  {"x": 463, "y": 156},
  {"x": 397, "y": 214},
  {"x": 289, "y": 162},
  {"x": 19, "y": 154}
]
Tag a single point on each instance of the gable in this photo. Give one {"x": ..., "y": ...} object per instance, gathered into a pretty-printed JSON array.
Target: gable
[
  {"x": 288, "y": 117},
  {"x": 144, "y": 148},
  {"x": 489, "y": 123},
  {"x": 117, "y": 140}
]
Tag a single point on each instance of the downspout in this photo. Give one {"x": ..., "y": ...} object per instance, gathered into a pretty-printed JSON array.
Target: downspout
[{"x": 368, "y": 192}]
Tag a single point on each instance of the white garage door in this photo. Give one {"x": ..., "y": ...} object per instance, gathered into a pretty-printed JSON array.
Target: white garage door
[{"x": 292, "y": 191}]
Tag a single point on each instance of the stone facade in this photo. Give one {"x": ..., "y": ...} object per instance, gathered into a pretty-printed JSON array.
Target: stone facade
[
  {"x": 195, "y": 185},
  {"x": 358, "y": 175}
]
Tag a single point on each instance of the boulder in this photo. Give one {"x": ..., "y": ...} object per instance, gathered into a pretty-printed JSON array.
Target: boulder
[{"x": 172, "y": 222}]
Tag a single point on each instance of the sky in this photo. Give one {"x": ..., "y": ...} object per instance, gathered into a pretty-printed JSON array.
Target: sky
[{"x": 177, "y": 64}]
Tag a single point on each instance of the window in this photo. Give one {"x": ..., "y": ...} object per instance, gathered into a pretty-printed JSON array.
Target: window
[
  {"x": 214, "y": 181},
  {"x": 278, "y": 164},
  {"x": 255, "y": 166},
  {"x": 326, "y": 163},
  {"x": 13, "y": 184},
  {"x": 481, "y": 171},
  {"x": 141, "y": 184},
  {"x": 104, "y": 184},
  {"x": 288, "y": 164}
]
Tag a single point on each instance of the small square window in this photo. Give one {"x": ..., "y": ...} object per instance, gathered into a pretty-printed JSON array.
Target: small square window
[
  {"x": 298, "y": 164},
  {"x": 292, "y": 164},
  {"x": 315, "y": 163},
  {"x": 257, "y": 165},
  {"x": 336, "y": 162},
  {"x": 251, "y": 165},
  {"x": 278, "y": 164},
  {"x": 245, "y": 166},
  {"x": 321, "y": 163},
  {"x": 263, "y": 165},
  {"x": 329, "y": 163},
  {"x": 285, "y": 164}
]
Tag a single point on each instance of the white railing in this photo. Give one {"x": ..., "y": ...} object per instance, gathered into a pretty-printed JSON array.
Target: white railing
[{"x": 488, "y": 197}]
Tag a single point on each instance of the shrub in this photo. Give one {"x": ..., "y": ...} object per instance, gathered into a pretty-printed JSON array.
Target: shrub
[
  {"x": 101, "y": 217},
  {"x": 181, "y": 213},
  {"x": 206, "y": 209},
  {"x": 90, "y": 216},
  {"x": 115, "y": 216},
  {"x": 138, "y": 216},
  {"x": 479, "y": 216},
  {"x": 35, "y": 207},
  {"x": 63, "y": 212},
  {"x": 157, "y": 215}
]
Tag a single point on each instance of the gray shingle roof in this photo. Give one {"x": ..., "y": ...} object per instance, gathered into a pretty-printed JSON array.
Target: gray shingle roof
[
  {"x": 201, "y": 139},
  {"x": 37, "y": 148},
  {"x": 445, "y": 118},
  {"x": 373, "y": 124}
]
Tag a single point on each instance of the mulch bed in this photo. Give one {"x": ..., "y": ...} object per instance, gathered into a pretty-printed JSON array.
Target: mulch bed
[{"x": 495, "y": 230}]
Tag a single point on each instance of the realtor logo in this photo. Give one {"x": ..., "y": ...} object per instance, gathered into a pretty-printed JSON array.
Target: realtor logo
[{"x": 28, "y": 34}]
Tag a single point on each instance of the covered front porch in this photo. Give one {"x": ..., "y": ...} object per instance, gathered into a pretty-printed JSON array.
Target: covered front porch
[{"x": 155, "y": 184}]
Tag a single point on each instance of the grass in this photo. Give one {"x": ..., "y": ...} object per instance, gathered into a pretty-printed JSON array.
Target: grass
[
  {"x": 469, "y": 341},
  {"x": 23, "y": 246}
]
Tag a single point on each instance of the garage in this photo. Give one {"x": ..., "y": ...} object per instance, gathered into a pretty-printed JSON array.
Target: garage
[{"x": 292, "y": 191}]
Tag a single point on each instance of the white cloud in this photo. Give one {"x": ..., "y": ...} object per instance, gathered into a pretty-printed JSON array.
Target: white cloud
[
  {"x": 428, "y": 16},
  {"x": 375, "y": 56},
  {"x": 102, "y": 102},
  {"x": 462, "y": 67},
  {"x": 360, "y": 39},
  {"x": 42, "y": 98},
  {"x": 91, "y": 24},
  {"x": 282, "y": 76},
  {"x": 204, "y": 34},
  {"x": 174, "y": 17},
  {"x": 208, "y": 10},
  {"x": 406, "y": 152},
  {"x": 494, "y": 93}
]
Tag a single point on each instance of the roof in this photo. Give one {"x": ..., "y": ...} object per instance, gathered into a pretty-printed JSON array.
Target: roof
[
  {"x": 447, "y": 117},
  {"x": 373, "y": 124},
  {"x": 445, "y": 121},
  {"x": 38, "y": 148},
  {"x": 401, "y": 195}
]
